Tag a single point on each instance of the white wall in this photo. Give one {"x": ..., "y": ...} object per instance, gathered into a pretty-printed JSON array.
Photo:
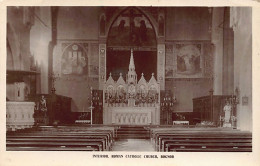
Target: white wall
[{"x": 243, "y": 63}]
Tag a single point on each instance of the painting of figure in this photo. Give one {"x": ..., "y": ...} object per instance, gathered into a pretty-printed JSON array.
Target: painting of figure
[
  {"x": 189, "y": 59},
  {"x": 73, "y": 61},
  {"x": 131, "y": 28}
]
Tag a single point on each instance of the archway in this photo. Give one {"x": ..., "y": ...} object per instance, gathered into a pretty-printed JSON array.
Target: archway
[{"x": 131, "y": 29}]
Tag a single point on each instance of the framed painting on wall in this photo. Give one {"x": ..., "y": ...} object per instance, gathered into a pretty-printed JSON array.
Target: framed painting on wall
[
  {"x": 188, "y": 60},
  {"x": 74, "y": 60}
]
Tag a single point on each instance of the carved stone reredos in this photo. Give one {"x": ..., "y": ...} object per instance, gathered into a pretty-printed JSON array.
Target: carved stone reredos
[{"x": 141, "y": 86}]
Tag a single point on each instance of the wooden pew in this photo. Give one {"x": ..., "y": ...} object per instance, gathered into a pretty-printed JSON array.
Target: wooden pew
[
  {"x": 199, "y": 136},
  {"x": 53, "y": 138},
  {"x": 156, "y": 133},
  {"x": 211, "y": 139},
  {"x": 90, "y": 134},
  {"x": 27, "y": 140},
  {"x": 69, "y": 136},
  {"x": 200, "y": 139},
  {"x": 209, "y": 147},
  {"x": 39, "y": 146},
  {"x": 79, "y": 129}
]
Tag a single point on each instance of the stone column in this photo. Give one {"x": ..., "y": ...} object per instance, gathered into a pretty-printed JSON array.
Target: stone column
[
  {"x": 217, "y": 40},
  {"x": 228, "y": 55}
]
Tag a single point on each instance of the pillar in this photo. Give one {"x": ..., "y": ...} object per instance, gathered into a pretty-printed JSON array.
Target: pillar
[{"x": 217, "y": 40}]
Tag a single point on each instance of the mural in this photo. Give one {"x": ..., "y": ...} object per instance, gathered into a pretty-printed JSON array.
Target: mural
[
  {"x": 131, "y": 28},
  {"x": 169, "y": 61},
  {"x": 188, "y": 60},
  {"x": 93, "y": 60},
  {"x": 74, "y": 61}
]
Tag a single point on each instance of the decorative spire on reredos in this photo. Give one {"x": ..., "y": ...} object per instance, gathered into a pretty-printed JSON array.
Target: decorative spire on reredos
[
  {"x": 131, "y": 76},
  {"x": 132, "y": 63}
]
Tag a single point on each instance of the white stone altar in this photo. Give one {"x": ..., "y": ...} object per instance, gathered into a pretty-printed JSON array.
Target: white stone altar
[
  {"x": 19, "y": 115},
  {"x": 132, "y": 115},
  {"x": 130, "y": 102}
]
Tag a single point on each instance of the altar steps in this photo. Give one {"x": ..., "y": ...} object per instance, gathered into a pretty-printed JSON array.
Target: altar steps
[{"x": 130, "y": 132}]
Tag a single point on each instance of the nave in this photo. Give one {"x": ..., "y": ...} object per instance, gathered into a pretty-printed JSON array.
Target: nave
[
  {"x": 129, "y": 79},
  {"x": 129, "y": 138}
]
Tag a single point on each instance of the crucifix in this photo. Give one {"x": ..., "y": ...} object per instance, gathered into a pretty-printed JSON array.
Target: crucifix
[{"x": 131, "y": 14}]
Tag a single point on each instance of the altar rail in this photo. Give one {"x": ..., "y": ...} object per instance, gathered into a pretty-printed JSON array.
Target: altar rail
[{"x": 19, "y": 115}]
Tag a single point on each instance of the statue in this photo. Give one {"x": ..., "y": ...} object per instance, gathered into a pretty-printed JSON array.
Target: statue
[
  {"x": 227, "y": 110},
  {"x": 43, "y": 106}
]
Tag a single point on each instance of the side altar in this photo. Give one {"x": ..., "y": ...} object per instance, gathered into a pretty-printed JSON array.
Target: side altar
[{"x": 131, "y": 102}]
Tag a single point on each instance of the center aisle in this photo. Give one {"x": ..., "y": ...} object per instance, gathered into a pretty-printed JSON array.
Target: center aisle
[{"x": 138, "y": 145}]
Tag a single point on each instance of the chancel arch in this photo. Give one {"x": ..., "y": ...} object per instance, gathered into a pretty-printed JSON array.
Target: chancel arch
[{"x": 131, "y": 27}]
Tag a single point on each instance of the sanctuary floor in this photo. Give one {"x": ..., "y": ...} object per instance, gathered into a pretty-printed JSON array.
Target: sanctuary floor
[{"x": 138, "y": 145}]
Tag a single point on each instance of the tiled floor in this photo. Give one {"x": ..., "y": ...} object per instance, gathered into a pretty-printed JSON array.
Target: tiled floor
[{"x": 141, "y": 145}]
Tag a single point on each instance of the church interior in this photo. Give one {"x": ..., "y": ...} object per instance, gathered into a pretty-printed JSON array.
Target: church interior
[{"x": 175, "y": 79}]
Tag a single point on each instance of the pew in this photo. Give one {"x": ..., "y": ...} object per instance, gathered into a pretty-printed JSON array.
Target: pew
[
  {"x": 201, "y": 140},
  {"x": 46, "y": 140},
  {"x": 61, "y": 139},
  {"x": 209, "y": 135},
  {"x": 166, "y": 141},
  {"x": 209, "y": 147},
  {"x": 157, "y": 132}
]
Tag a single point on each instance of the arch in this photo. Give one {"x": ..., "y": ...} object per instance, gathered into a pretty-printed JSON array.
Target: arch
[{"x": 119, "y": 11}]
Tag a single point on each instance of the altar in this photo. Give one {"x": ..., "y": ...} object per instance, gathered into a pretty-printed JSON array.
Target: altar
[
  {"x": 131, "y": 102},
  {"x": 132, "y": 115}
]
